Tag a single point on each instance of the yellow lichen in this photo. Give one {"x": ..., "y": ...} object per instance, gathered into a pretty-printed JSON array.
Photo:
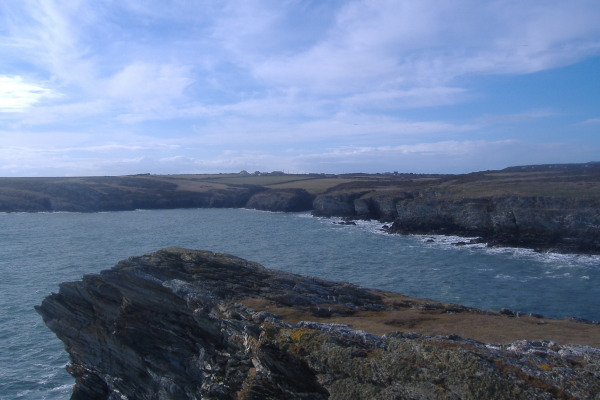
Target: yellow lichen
[
  {"x": 545, "y": 367},
  {"x": 299, "y": 334}
]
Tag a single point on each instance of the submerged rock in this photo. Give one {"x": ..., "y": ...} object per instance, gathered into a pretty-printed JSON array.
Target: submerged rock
[{"x": 185, "y": 324}]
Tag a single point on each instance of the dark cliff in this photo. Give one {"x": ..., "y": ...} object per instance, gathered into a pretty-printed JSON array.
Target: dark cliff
[
  {"x": 552, "y": 207},
  {"x": 546, "y": 223},
  {"x": 183, "y": 324},
  {"x": 92, "y": 194},
  {"x": 546, "y": 207},
  {"x": 289, "y": 200}
]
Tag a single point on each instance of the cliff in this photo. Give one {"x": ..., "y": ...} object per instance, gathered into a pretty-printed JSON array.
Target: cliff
[
  {"x": 558, "y": 224},
  {"x": 546, "y": 207},
  {"x": 545, "y": 223},
  {"x": 184, "y": 324},
  {"x": 549, "y": 208}
]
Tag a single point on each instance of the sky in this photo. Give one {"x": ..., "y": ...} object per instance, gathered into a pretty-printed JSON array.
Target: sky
[{"x": 114, "y": 87}]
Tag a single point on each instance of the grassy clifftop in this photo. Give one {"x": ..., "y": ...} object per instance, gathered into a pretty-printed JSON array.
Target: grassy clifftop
[{"x": 234, "y": 190}]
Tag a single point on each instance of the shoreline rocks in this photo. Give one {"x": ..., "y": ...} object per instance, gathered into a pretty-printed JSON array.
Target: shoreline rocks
[
  {"x": 541, "y": 223},
  {"x": 188, "y": 324}
]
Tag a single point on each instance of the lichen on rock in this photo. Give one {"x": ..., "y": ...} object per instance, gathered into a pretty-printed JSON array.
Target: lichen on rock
[{"x": 179, "y": 324}]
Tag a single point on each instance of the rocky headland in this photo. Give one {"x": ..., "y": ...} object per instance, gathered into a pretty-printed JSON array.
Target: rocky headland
[
  {"x": 545, "y": 207},
  {"x": 187, "y": 324}
]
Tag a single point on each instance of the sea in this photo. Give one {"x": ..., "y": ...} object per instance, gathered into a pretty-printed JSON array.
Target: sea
[{"x": 40, "y": 250}]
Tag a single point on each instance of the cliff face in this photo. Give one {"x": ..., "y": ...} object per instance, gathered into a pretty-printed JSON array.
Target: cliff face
[
  {"x": 94, "y": 194},
  {"x": 548, "y": 223},
  {"x": 281, "y": 200},
  {"x": 547, "y": 207},
  {"x": 171, "y": 325},
  {"x": 539, "y": 222}
]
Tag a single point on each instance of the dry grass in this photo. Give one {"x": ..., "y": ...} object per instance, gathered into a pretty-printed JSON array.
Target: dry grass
[
  {"x": 493, "y": 328},
  {"x": 313, "y": 186}
]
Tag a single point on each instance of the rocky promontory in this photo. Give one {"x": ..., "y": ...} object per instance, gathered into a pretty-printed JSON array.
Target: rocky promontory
[{"x": 187, "y": 324}]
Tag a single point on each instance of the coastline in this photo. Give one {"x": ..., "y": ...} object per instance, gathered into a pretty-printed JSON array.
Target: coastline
[{"x": 547, "y": 208}]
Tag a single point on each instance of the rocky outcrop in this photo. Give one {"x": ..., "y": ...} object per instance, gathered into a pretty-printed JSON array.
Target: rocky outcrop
[
  {"x": 547, "y": 223},
  {"x": 380, "y": 207},
  {"x": 177, "y": 324},
  {"x": 337, "y": 205},
  {"x": 287, "y": 200}
]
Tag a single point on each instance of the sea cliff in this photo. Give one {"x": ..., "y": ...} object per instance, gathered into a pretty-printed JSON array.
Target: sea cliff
[
  {"x": 188, "y": 324},
  {"x": 543, "y": 223},
  {"x": 545, "y": 207}
]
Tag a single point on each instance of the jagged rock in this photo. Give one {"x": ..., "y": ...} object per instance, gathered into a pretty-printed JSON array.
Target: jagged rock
[
  {"x": 543, "y": 223},
  {"x": 380, "y": 207},
  {"x": 338, "y": 205},
  {"x": 176, "y": 324},
  {"x": 569, "y": 225}
]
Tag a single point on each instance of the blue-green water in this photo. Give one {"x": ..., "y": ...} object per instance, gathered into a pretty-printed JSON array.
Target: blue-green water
[{"x": 38, "y": 251}]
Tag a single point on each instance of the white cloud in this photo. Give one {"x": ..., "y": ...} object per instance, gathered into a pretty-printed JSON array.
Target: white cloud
[
  {"x": 443, "y": 157},
  {"x": 149, "y": 87},
  {"x": 407, "y": 44},
  {"x": 356, "y": 76},
  {"x": 17, "y": 95},
  {"x": 63, "y": 113},
  {"x": 348, "y": 128}
]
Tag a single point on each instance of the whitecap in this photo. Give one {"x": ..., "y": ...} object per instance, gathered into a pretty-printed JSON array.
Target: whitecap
[{"x": 62, "y": 388}]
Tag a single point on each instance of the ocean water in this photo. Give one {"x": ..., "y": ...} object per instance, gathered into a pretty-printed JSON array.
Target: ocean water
[{"x": 38, "y": 251}]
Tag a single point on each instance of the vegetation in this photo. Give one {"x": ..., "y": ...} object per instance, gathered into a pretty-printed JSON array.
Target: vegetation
[{"x": 230, "y": 190}]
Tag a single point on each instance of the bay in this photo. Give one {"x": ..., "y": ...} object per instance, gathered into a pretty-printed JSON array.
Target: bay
[{"x": 39, "y": 251}]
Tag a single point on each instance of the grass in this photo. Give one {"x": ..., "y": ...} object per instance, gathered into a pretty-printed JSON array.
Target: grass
[
  {"x": 313, "y": 186},
  {"x": 487, "y": 327},
  {"x": 568, "y": 181}
]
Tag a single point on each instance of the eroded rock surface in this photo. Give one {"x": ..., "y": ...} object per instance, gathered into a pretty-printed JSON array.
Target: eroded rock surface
[
  {"x": 558, "y": 224},
  {"x": 171, "y": 325}
]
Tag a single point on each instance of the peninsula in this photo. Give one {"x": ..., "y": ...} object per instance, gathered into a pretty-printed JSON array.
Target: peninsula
[
  {"x": 546, "y": 207},
  {"x": 189, "y": 324}
]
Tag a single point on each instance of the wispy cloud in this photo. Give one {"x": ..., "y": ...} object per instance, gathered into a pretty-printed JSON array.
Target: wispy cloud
[
  {"x": 260, "y": 76},
  {"x": 591, "y": 121}
]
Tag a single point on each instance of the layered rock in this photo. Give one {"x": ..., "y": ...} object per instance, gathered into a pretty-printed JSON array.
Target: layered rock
[
  {"x": 339, "y": 204},
  {"x": 177, "y": 324},
  {"x": 545, "y": 223},
  {"x": 548, "y": 223}
]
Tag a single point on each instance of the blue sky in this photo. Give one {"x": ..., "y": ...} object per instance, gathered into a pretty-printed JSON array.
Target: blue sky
[{"x": 115, "y": 87}]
